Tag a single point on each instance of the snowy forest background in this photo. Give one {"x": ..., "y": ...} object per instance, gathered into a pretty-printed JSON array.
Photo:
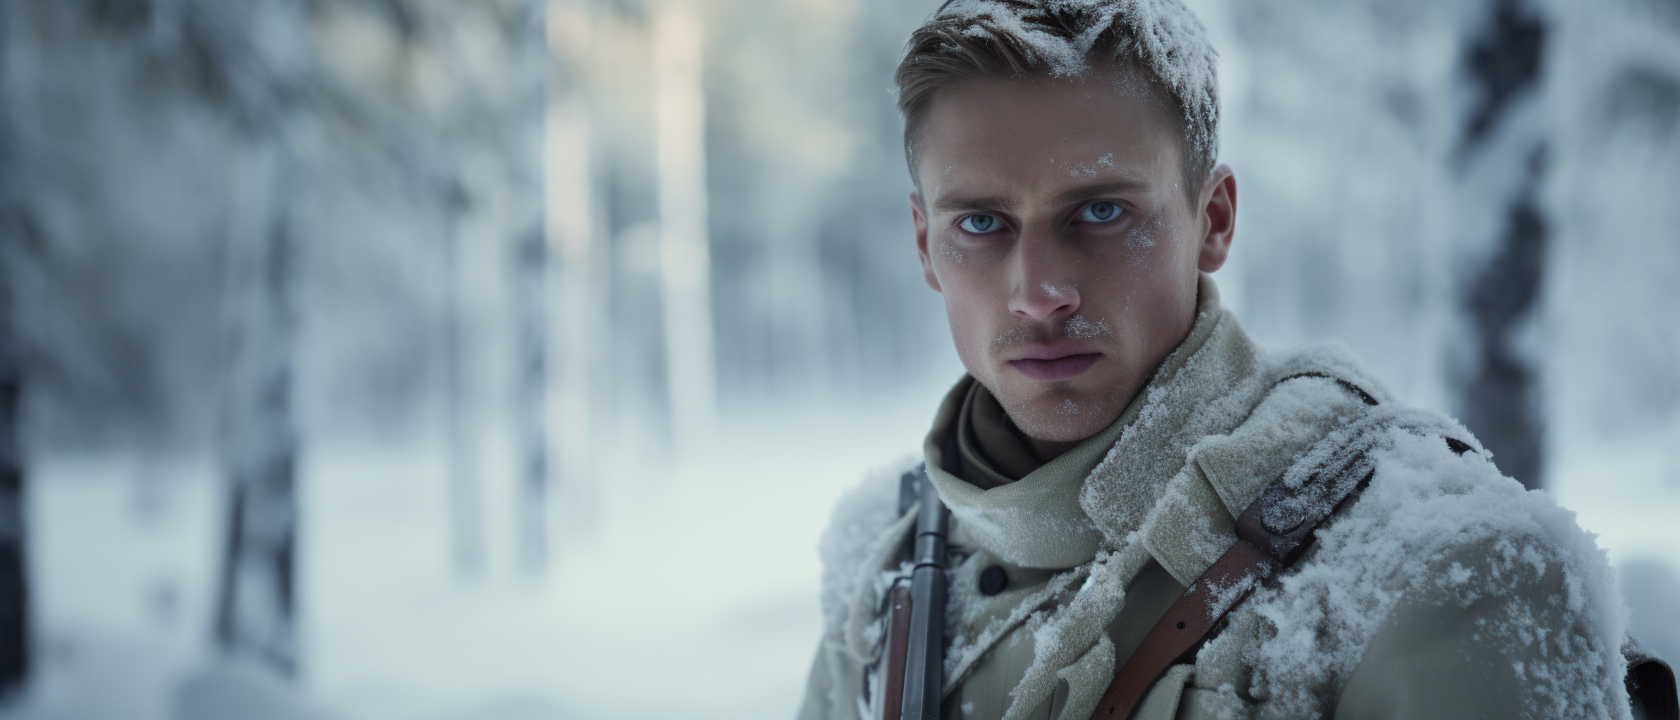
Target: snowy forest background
[{"x": 379, "y": 359}]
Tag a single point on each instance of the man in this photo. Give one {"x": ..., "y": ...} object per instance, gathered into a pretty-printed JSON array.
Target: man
[{"x": 1115, "y": 422}]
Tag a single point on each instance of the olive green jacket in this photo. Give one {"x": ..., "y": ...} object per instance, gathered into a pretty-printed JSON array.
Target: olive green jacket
[{"x": 1444, "y": 591}]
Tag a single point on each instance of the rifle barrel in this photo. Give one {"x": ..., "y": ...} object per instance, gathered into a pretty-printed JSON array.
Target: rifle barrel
[{"x": 924, "y": 671}]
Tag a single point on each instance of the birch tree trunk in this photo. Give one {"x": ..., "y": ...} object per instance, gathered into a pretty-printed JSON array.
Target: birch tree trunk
[
  {"x": 570, "y": 217},
  {"x": 256, "y": 608},
  {"x": 531, "y": 512},
  {"x": 685, "y": 252},
  {"x": 466, "y": 500},
  {"x": 1502, "y": 163}
]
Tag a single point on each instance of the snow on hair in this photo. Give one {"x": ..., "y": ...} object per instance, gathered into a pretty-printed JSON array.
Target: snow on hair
[{"x": 1021, "y": 38}]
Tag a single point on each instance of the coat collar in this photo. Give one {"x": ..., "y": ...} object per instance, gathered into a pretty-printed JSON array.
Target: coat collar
[
  {"x": 1033, "y": 522},
  {"x": 1098, "y": 493},
  {"x": 1207, "y": 386}
]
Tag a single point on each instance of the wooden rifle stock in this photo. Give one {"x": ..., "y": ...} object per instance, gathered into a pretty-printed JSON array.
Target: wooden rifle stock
[{"x": 898, "y": 646}]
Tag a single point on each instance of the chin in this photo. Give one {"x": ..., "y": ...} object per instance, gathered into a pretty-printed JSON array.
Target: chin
[{"x": 1061, "y": 416}]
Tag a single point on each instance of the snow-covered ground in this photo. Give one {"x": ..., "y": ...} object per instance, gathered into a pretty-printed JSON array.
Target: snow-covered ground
[{"x": 684, "y": 591}]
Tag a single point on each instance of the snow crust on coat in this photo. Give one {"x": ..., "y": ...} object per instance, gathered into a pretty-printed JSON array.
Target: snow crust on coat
[{"x": 1449, "y": 529}]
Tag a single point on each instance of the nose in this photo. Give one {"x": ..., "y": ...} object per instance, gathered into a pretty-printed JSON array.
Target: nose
[{"x": 1043, "y": 279}]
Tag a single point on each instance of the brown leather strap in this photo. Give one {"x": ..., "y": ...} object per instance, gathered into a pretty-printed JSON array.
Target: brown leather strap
[
  {"x": 1272, "y": 533},
  {"x": 1264, "y": 546},
  {"x": 1188, "y": 621}
]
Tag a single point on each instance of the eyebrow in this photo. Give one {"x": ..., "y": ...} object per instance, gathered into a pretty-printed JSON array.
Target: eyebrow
[
  {"x": 1107, "y": 188},
  {"x": 997, "y": 204},
  {"x": 971, "y": 204}
]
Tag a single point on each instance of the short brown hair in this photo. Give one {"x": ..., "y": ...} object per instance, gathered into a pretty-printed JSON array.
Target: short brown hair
[{"x": 1161, "y": 39}]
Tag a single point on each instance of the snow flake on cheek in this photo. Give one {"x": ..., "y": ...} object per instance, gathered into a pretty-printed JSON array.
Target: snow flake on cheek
[
  {"x": 949, "y": 251},
  {"x": 1143, "y": 236}
]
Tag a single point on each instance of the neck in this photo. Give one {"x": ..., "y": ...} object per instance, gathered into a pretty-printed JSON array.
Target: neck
[{"x": 1048, "y": 450}]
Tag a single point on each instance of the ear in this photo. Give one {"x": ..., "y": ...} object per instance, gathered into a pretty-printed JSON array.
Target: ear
[
  {"x": 1219, "y": 217},
  {"x": 919, "y": 218}
]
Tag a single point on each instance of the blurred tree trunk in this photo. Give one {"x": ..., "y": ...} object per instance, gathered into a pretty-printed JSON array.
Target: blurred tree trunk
[
  {"x": 531, "y": 304},
  {"x": 256, "y": 609},
  {"x": 570, "y": 215},
  {"x": 685, "y": 246},
  {"x": 14, "y": 578},
  {"x": 1502, "y": 163},
  {"x": 466, "y": 502},
  {"x": 256, "y": 603}
]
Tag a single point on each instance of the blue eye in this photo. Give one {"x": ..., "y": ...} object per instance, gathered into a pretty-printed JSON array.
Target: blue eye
[
  {"x": 978, "y": 224},
  {"x": 1100, "y": 211}
]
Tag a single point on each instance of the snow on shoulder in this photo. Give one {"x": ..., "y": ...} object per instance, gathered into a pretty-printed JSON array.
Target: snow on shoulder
[
  {"x": 850, "y": 548},
  {"x": 1442, "y": 540},
  {"x": 1163, "y": 34}
]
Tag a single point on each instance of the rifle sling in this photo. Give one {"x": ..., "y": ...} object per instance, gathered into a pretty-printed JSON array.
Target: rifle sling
[{"x": 1199, "y": 613}]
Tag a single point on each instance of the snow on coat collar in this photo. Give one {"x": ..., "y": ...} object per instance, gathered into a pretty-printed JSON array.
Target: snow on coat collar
[{"x": 1043, "y": 520}]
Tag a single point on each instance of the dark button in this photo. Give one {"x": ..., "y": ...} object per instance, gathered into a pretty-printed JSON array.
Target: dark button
[
  {"x": 1458, "y": 446},
  {"x": 993, "y": 580}
]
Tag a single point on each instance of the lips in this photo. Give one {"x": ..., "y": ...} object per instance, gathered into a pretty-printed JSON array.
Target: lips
[{"x": 1057, "y": 368}]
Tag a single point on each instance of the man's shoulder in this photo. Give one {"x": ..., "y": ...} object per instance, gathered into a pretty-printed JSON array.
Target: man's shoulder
[
  {"x": 1443, "y": 552},
  {"x": 1432, "y": 492},
  {"x": 1432, "y": 478},
  {"x": 850, "y": 546},
  {"x": 1436, "y": 504},
  {"x": 1434, "y": 482},
  {"x": 1438, "y": 541}
]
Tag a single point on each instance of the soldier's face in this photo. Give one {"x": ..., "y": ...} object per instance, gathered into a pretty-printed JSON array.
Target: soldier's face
[{"x": 1051, "y": 217}]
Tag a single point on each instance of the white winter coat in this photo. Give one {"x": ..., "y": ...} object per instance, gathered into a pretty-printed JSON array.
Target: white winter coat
[{"x": 1445, "y": 590}]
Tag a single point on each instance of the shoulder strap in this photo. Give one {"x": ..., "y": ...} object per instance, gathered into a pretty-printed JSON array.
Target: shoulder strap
[{"x": 1272, "y": 533}]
